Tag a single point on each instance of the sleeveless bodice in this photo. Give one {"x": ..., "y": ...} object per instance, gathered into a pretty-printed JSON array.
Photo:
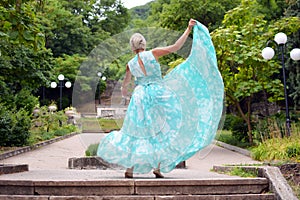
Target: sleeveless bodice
[{"x": 152, "y": 68}]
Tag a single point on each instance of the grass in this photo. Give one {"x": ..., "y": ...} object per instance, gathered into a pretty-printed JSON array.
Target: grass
[
  {"x": 38, "y": 135},
  {"x": 242, "y": 172},
  {"x": 101, "y": 124},
  {"x": 278, "y": 149}
]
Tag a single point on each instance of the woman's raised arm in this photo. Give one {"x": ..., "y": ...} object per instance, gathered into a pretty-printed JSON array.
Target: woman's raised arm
[{"x": 162, "y": 51}]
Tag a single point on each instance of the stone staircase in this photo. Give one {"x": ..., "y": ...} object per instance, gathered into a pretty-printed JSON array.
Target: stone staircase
[{"x": 138, "y": 189}]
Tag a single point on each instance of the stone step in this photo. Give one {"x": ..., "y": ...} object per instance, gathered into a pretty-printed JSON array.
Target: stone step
[
  {"x": 145, "y": 197},
  {"x": 137, "y": 187}
]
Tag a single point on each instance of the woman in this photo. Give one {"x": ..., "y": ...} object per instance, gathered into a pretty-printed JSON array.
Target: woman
[{"x": 168, "y": 119}]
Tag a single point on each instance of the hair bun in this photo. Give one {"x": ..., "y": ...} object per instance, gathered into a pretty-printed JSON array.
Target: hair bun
[{"x": 137, "y": 41}]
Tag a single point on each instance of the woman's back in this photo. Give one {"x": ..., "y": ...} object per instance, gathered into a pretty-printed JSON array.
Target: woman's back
[{"x": 145, "y": 68}]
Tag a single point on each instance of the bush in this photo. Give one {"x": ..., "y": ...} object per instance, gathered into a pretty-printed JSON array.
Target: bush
[
  {"x": 24, "y": 99},
  {"x": 92, "y": 150},
  {"x": 239, "y": 129},
  {"x": 228, "y": 120},
  {"x": 293, "y": 150},
  {"x": 14, "y": 127},
  {"x": 237, "y": 126},
  {"x": 49, "y": 124},
  {"x": 280, "y": 149},
  {"x": 226, "y": 137}
]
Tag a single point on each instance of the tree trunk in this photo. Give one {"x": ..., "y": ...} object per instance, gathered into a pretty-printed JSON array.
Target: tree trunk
[
  {"x": 249, "y": 121},
  {"x": 247, "y": 118}
]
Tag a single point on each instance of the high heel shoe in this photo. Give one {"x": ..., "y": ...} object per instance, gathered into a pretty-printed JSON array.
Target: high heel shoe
[
  {"x": 158, "y": 174},
  {"x": 128, "y": 175}
]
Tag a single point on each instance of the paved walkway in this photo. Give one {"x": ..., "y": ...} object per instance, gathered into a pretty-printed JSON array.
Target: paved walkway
[{"x": 51, "y": 162}]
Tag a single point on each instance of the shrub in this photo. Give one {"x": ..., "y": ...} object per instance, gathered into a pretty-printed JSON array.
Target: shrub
[
  {"x": 14, "y": 127},
  {"x": 239, "y": 128},
  {"x": 293, "y": 150},
  {"x": 49, "y": 124},
  {"x": 280, "y": 149},
  {"x": 24, "y": 99},
  {"x": 92, "y": 150},
  {"x": 228, "y": 121}
]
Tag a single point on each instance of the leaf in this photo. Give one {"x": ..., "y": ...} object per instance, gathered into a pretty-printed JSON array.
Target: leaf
[
  {"x": 28, "y": 36},
  {"x": 3, "y": 34}
]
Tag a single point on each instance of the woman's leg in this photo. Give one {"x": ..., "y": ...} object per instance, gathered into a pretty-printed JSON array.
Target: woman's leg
[
  {"x": 129, "y": 173},
  {"x": 157, "y": 173}
]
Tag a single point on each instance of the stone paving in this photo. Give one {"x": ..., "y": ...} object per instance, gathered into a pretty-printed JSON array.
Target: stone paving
[{"x": 51, "y": 162}]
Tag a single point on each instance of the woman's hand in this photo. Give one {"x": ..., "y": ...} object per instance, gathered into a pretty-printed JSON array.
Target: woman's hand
[{"x": 192, "y": 23}]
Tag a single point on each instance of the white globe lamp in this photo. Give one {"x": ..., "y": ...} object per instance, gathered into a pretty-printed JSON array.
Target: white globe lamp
[
  {"x": 280, "y": 38},
  {"x": 68, "y": 84},
  {"x": 61, "y": 77},
  {"x": 295, "y": 54},
  {"x": 268, "y": 53},
  {"x": 53, "y": 85}
]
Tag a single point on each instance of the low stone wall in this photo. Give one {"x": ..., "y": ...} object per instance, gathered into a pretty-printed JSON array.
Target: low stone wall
[
  {"x": 92, "y": 162},
  {"x": 9, "y": 169},
  {"x": 29, "y": 148},
  {"x": 278, "y": 184},
  {"x": 95, "y": 162}
]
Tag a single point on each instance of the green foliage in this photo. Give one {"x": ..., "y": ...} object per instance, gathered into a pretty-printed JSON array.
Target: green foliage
[
  {"x": 293, "y": 9},
  {"x": 68, "y": 65},
  {"x": 228, "y": 121},
  {"x": 92, "y": 150},
  {"x": 18, "y": 24},
  {"x": 272, "y": 9},
  {"x": 25, "y": 100},
  {"x": 238, "y": 46},
  {"x": 47, "y": 120},
  {"x": 237, "y": 126},
  {"x": 228, "y": 138},
  {"x": 48, "y": 124},
  {"x": 174, "y": 14},
  {"x": 293, "y": 150},
  {"x": 76, "y": 27},
  {"x": 279, "y": 149},
  {"x": 239, "y": 129},
  {"x": 14, "y": 127},
  {"x": 274, "y": 126}
]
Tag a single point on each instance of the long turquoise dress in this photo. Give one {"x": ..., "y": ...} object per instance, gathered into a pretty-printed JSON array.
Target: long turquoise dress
[{"x": 169, "y": 119}]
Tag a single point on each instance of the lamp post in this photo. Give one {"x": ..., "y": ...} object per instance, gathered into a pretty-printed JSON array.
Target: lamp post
[
  {"x": 68, "y": 84},
  {"x": 268, "y": 53},
  {"x": 103, "y": 78}
]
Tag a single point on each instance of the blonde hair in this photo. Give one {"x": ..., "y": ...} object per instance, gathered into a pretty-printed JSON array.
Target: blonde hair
[{"x": 137, "y": 41}]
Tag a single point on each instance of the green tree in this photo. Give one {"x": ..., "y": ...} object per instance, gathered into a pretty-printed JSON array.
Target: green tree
[
  {"x": 18, "y": 24},
  {"x": 238, "y": 45},
  {"x": 272, "y": 9},
  {"x": 24, "y": 62},
  {"x": 65, "y": 32},
  {"x": 293, "y": 68},
  {"x": 174, "y": 14}
]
